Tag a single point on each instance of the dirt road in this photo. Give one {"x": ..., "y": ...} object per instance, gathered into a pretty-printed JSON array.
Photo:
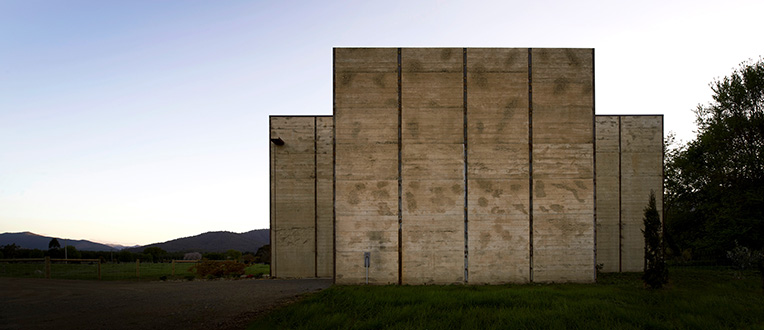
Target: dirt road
[{"x": 65, "y": 304}]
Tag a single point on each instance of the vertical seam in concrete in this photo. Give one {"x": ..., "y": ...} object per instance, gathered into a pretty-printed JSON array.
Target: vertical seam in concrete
[
  {"x": 594, "y": 165},
  {"x": 466, "y": 173},
  {"x": 530, "y": 163},
  {"x": 315, "y": 196},
  {"x": 620, "y": 202},
  {"x": 334, "y": 166},
  {"x": 400, "y": 175}
]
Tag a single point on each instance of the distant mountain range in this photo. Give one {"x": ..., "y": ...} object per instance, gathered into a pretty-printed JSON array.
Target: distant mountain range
[
  {"x": 216, "y": 241},
  {"x": 27, "y": 240}
]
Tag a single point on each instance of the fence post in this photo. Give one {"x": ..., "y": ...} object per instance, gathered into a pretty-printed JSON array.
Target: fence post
[
  {"x": 173, "y": 267},
  {"x": 99, "y": 269},
  {"x": 138, "y": 268},
  {"x": 47, "y": 267}
]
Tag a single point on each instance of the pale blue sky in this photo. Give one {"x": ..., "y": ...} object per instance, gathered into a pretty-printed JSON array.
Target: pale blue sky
[{"x": 135, "y": 122}]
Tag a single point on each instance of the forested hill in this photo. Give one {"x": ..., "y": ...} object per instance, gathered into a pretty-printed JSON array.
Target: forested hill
[
  {"x": 27, "y": 240},
  {"x": 214, "y": 241}
]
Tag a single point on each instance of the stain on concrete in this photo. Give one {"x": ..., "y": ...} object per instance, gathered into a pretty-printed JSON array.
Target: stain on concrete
[
  {"x": 445, "y": 54},
  {"x": 457, "y": 189},
  {"x": 515, "y": 187},
  {"x": 480, "y": 126},
  {"x": 356, "y": 129},
  {"x": 379, "y": 80},
  {"x": 479, "y": 77},
  {"x": 560, "y": 85},
  {"x": 485, "y": 185},
  {"x": 572, "y": 58},
  {"x": 520, "y": 207},
  {"x": 410, "y": 202},
  {"x": 380, "y": 194},
  {"x": 375, "y": 236},
  {"x": 497, "y": 210},
  {"x": 384, "y": 209},
  {"x": 414, "y": 65},
  {"x": 557, "y": 207},
  {"x": 482, "y": 201},
  {"x": 497, "y": 193},
  {"x": 354, "y": 200},
  {"x": 413, "y": 129},
  {"x": 539, "y": 188},
  {"x": 485, "y": 238},
  {"x": 572, "y": 190},
  {"x": 580, "y": 185},
  {"x": 345, "y": 78},
  {"x": 511, "y": 59},
  {"x": 506, "y": 235}
]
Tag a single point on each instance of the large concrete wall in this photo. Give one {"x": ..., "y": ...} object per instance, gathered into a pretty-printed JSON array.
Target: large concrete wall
[
  {"x": 432, "y": 206},
  {"x": 642, "y": 172},
  {"x": 629, "y": 167},
  {"x": 432, "y": 164},
  {"x": 563, "y": 164},
  {"x": 608, "y": 168},
  {"x": 301, "y": 179},
  {"x": 498, "y": 165},
  {"x": 366, "y": 107},
  {"x": 462, "y": 165}
]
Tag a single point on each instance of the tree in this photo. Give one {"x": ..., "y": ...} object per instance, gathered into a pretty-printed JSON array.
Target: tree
[
  {"x": 10, "y": 251},
  {"x": 54, "y": 249},
  {"x": 263, "y": 254},
  {"x": 54, "y": 244},
  {"x": 72, "y": 252},
  {"x": 156, "y": 253},
  {"x": 232, "y": 254},
  {"x": 656, "y": 273},
  {"x": 715, "y": 183}
]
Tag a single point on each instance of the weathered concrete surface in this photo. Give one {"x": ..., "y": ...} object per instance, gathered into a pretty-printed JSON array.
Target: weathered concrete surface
[
  {"x": 563, "y": 165},
  {"x": 324, "y": 197},
  {"x": 629, "y": 166},
  {"x": 497, "y": 116},
  {"x": 642, "y": 172},
  {"x": 608, "y": 193},
  {"x": 292, "y": 197},
  {"x": 432, "y": 163},
  {"x": 301, "y": 197},
  {"x": 502, "y": 220},
  {"x": 366, "y": 164}
]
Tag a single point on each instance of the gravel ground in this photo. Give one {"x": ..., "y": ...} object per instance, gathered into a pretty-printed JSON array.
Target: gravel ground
[{"x": 67, "y": 304}]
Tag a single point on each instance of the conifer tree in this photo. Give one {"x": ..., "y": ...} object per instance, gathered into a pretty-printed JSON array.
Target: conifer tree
[{"x": 656, "y": 273}]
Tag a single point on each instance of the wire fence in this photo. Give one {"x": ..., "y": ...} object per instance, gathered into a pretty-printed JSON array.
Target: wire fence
[{"x": 94, "y": 269}]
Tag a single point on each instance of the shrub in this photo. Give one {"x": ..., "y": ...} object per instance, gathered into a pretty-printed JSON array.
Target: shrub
[
  {"x": 192, "y": 256},
  {"x": 743, "y": 258},
  {"x": 211, "y": 268}
]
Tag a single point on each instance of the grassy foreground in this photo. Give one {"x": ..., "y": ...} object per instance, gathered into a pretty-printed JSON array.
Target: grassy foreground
[
  {"x": 697, "y": 298},
  {"x": 110, "y": 271}
]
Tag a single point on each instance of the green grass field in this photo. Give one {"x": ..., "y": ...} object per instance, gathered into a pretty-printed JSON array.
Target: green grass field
[
  {"x": 109, "y": 271},
  {"x": 696, "y": 298}
]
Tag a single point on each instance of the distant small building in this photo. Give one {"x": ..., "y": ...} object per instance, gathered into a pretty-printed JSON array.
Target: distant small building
[
  {"x": 192, "y": 256},
  {"x": 461, "y": 165}
]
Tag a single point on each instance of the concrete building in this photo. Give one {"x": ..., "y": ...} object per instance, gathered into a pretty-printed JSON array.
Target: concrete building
[{"x": 455, "y": 165}]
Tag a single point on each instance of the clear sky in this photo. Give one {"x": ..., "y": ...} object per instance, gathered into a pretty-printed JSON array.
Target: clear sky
[{"x": 135, "y": 122}]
